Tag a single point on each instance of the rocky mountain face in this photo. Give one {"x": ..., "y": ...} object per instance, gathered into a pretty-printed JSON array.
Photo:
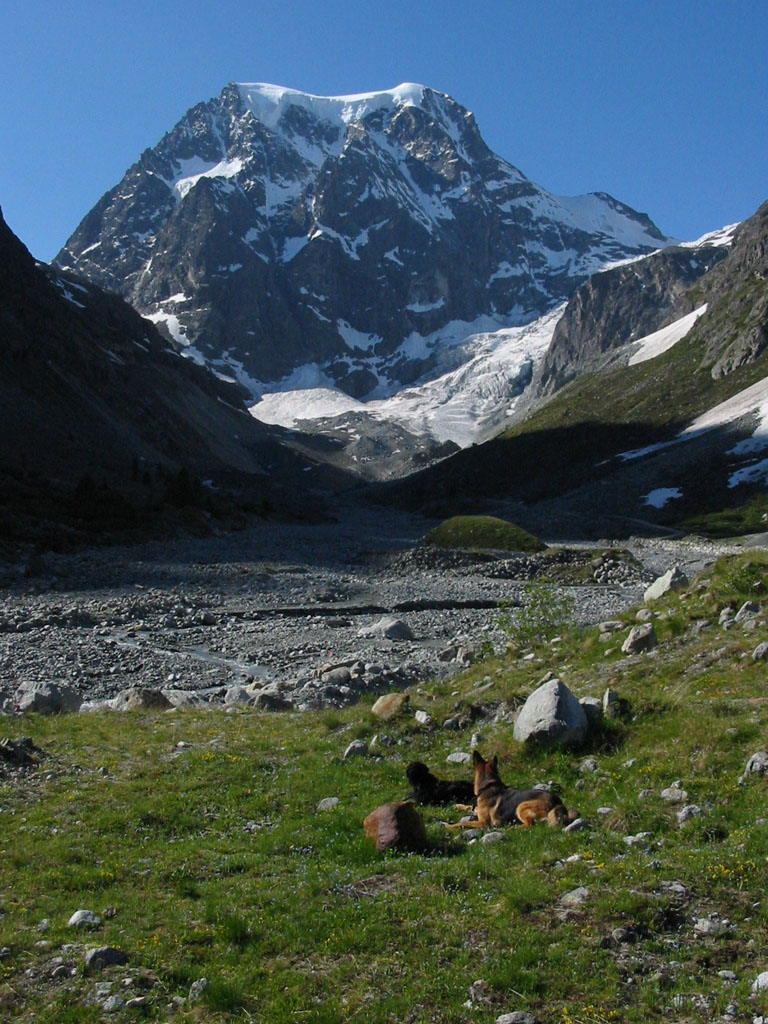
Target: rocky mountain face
[
  {"x": 95, "y": 404},
  {"x": 735, "y": 329},
  {"x": 622, "y": 443},
  {"x": 619, "y": 306},
  {"x": 294, "y": 241}
]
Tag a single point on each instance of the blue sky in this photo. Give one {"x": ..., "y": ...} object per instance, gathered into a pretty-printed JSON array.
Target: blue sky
[{"x": 661, "y": 103}]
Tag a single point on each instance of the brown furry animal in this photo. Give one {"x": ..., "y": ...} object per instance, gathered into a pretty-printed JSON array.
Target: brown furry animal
[
  {"x": 498, "y": 805},
  {"x": 428, "y": 789}
]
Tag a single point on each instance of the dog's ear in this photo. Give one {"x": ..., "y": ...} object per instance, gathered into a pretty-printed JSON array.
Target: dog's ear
[
  {"x": 495, "y": 763},
  {"x": 477, "y": 758}
]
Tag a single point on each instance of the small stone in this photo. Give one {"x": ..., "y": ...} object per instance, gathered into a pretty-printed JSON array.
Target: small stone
[
  {"x": 197, "y": 988},
  {"x": 747, "y": 611},
  {"x": 328, "y": 803},
  {"x": 389, "y": 627},
  {"x": 517, "y": 1017},
  {"x": 113, "y": 1004},
  {"x": 674, "y": 795},
  {"x": 728, "y": 976},
  {"x": 491, "y": 837},
  {"x": 104, "y": 956},
  {"x": 588, "y": 765},
  {"x": 271, "y": 702},
  {"x": 638, "y": 839},
  {"x": 761, "y": 982},
  {"x": 757, "y": 764},
  {"x": 577, "y": 825},
  {"x": 396, "y": 825},
  {"x": 423, "y": 718},
  {"x": 688, "y": 812},
  {"x": 674, "y": 579},
  {"x": 641, "y": 639},
  {"x": 84, "y": 919},
  {"x": 141, "y": 698},
  {"x": 576, "y": 897},
  {"x": 459, "y": 757},
  {"x": 389, "y": 705},
  {"x": 706, "y": 926},
  {"x": 357, "y": 748}
]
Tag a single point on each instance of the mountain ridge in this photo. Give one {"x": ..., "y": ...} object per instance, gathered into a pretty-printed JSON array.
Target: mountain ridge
[{"x": 341, "y": 235}]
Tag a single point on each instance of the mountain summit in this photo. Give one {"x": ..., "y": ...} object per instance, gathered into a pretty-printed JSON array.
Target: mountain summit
[{"x": 351, "y": 242}]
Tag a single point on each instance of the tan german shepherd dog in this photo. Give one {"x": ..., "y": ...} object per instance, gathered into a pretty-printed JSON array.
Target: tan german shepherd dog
[{"x": 499, "y": 805}]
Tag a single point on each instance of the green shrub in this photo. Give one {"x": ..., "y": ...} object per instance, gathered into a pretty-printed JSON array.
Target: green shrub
[
  {"x": 544, "y": 612},
  {"x": 486, "y": 532}
]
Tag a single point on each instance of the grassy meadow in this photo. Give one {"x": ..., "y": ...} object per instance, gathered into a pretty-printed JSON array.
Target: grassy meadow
[{"x": 196, "y": 838}]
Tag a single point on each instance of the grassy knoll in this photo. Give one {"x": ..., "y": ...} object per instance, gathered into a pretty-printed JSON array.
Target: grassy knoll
[
  {"x": 198, "y": 833},
  {"x": 484, "y": 532}
]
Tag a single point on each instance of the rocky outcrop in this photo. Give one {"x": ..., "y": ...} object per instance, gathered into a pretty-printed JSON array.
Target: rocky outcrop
[
  {"x": 735, "y": 328},
  {"x": 619, "y": 306}
]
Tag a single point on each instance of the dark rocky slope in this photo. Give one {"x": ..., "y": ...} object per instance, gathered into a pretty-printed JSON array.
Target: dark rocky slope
[{"x": 100, "y": 417}]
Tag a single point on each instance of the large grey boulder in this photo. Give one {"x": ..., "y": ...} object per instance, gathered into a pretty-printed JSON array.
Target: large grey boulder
[
  {"x": 641, "y": 639},
  {"x": 46, "y": 698},
  {"x": 674, "y": 579},
  {"x": 389, "y": 627},
  {"x": 552, "y": 716}
]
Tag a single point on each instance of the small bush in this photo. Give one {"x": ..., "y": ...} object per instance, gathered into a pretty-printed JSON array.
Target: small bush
[{"x": 544, "y": 612}]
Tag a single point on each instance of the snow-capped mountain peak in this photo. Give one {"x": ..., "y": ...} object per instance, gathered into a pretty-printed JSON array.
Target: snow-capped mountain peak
[{"x": 272, "y": 229}]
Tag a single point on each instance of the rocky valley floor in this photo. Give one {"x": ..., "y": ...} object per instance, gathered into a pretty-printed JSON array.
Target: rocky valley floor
[{"x": 292, "y": 616}]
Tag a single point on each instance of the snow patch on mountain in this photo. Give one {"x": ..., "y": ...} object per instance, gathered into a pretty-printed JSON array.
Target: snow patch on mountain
[
  {"x": 192, "y": 170},
  {"x": 654, "y": 344},
  {"x": 751, "y": 402}
]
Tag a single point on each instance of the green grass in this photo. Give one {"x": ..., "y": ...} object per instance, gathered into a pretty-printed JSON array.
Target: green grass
[
  {"x": 214, "y": 863},
  {"x": 483, "y": 532},
  {"x": 736, "y": 521}
]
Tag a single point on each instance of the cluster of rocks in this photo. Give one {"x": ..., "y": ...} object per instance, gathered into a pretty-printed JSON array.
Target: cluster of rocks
[{"x": 119, "y": 983}]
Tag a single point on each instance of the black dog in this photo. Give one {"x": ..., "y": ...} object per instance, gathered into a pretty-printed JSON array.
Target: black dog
[{"x": 427, "y": 789}]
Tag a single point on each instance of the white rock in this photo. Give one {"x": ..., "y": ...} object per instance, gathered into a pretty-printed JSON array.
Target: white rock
[
  {"x": 674, "y": 579},
  {"x": 459, "y": 757},
  {"x": 491, "y": 837},
  {"x": 84, "y": 919}
]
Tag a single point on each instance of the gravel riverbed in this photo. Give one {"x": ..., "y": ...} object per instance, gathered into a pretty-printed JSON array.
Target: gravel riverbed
[{"x": 302, "y": 614}]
